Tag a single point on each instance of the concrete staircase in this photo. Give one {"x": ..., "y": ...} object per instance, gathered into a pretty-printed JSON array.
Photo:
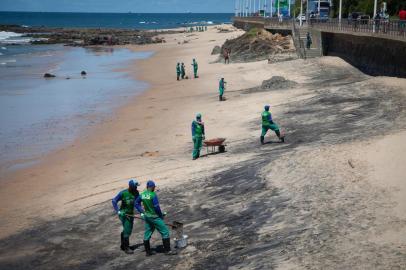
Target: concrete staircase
[{"x": 315, "y": 49}]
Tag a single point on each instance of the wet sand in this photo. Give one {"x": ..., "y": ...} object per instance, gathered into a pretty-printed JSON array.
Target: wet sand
[{"x": 331, "y": 197}]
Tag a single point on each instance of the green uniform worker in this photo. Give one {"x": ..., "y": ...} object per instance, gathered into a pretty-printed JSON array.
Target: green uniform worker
[
  {"x": 153, "y": 217},
  {"x": 183, "y": 71},
  {"x": 222, "y": 86},
  {"x": 195, "y": 68},
  {"x": 197, "y": 135},
  {"x": 178, "y": 71},
  {"x": 267, "y": 123},
  {"x": 126, "y": 210}
]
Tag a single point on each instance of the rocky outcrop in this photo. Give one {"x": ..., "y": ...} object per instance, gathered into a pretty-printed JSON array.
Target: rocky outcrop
[{"x": 86, "y": 36}]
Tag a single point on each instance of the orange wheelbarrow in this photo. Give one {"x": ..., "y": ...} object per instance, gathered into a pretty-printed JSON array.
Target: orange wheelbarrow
[{"x": 213, "y": 143}]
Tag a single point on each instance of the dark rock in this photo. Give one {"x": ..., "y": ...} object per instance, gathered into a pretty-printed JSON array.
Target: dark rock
[
  {"x": 216, "y": 50},
  {"x": 88, "y": 36},
  {"x": 49, "y": 75},
  {"x": 83, "y": 73}
]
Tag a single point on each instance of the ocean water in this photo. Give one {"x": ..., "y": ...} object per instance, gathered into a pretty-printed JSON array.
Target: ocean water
[
  {"x": 114, "y": 20},
  {"x": 39, "y": 115}
]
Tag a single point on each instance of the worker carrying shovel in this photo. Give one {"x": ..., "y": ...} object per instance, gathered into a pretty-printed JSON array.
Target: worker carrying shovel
[
  {"x": 154, "y": 218},
  {"x": 268, "y": 123},
  {"x": 197, "y": 136},
  {"x": 126, "y": 210}
]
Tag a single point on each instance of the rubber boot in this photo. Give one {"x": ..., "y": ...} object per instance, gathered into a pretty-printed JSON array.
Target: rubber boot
[
  {"x": 167, "y": 247},
  {"x": 127, "y": 246},
  {"x": 262, "y": 139},
  {"x": 282, "y": 139},
  {"x": 147, "y": 247},
  {"x": 122, "y": 246},
  {"x": 220, "y": 98}
]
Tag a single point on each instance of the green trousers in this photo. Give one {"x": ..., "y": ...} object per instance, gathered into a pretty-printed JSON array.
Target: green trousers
[
  {"x": 195, "y": 71},
  {"x": 197, "y": 145},
  {"x": 127, "y": 226},
  {"x": 221, "y": 91},
  {"x": 265, "y": 129},
  {"x": 155, "y": 223}
]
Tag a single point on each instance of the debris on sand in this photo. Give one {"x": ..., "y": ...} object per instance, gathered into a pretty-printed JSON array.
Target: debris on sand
[
  {"x": 278, "y": 82},
  {"x": 216, "y": 50},
  {"x": 259, "y": 44},
  {"x": 274, "y": 83},
  {"x": 150, "y": 154}
]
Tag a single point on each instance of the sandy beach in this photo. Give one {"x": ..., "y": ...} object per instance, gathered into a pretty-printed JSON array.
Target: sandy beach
[{"x": 332, "y": 197}]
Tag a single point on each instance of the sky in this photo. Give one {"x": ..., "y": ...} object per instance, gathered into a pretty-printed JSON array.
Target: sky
[{"x": 141, "y": 6}]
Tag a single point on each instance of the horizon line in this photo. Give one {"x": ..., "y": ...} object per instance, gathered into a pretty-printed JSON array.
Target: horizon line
[{"x": 121, "y": 12}]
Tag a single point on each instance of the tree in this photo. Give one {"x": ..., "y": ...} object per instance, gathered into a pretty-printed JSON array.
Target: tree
[{"x": 365, "y": 6}]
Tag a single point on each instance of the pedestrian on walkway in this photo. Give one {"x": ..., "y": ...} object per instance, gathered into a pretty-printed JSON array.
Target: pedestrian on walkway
[{"x": 309, "y": 40}]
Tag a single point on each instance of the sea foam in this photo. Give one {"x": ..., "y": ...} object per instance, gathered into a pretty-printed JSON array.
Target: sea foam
[{"x": 12, "y": 38}]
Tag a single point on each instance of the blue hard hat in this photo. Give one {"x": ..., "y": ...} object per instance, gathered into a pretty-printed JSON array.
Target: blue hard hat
[
  {"x": 267, "y": 107},
  {"x": 150, "y": 183},
  {"x": 133, "y": 183}
]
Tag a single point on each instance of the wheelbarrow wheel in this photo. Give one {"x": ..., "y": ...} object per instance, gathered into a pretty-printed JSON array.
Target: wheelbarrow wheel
[{"x": 222, "y": 148}]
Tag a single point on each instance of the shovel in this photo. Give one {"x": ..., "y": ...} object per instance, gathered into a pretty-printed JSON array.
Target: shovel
[
  {"x": 176, "y": 225},
  {"x": 180, "y": 238}
]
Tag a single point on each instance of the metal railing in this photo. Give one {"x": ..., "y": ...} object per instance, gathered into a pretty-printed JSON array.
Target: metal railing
[
  {"x": 282, "y": 23},
  {"x": 395, "y": 28},
  {"x": 299, "y": 44},
  {"x": 381, "y": 27}
]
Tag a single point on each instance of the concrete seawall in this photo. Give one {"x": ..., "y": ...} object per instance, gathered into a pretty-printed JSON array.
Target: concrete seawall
[{"x": 372, "y": 55}]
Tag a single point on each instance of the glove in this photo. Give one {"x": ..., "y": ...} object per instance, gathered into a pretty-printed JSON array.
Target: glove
[
  {"x": 142, "y": 216},
  {"x": 121, "y": 214}
]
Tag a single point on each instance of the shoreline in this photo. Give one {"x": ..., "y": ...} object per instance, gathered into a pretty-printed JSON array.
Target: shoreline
[
  {"x": 65, "y": 120},
  {"x": 33, "y": 176}
]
